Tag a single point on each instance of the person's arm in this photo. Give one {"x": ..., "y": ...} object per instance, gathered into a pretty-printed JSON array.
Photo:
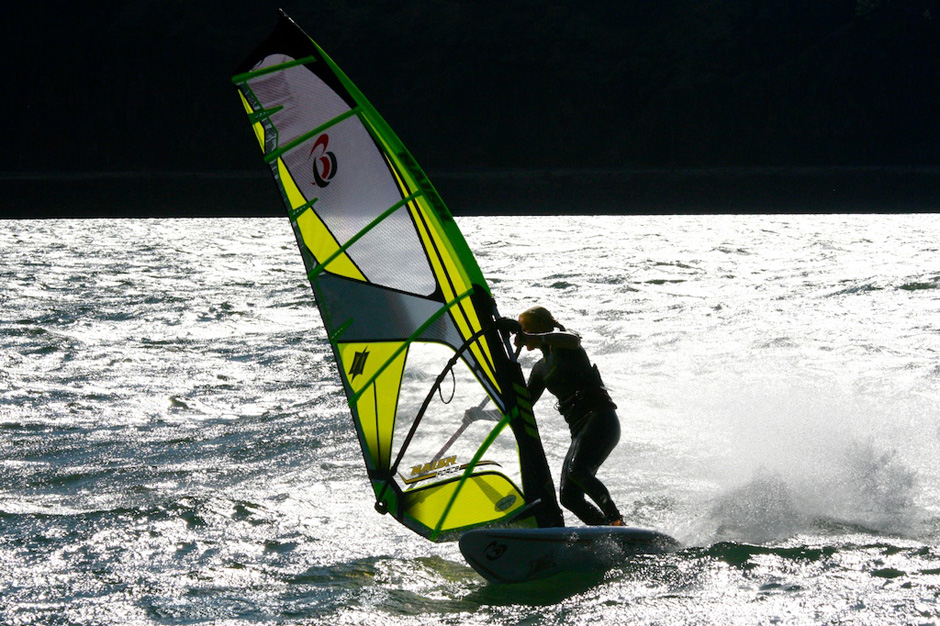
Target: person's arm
[
  {"x": 555, "y": 339},
  {"x": 536, "y": 384}
]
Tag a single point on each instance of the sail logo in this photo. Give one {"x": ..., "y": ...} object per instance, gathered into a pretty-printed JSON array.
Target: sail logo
[
  {"x": 439, "y": 464},
  {"x": 506, "y": 503},
  {"x": 495, "y": 550},
  {"x": 359, "y": 364},
  {"x": 324, "y": 161}
]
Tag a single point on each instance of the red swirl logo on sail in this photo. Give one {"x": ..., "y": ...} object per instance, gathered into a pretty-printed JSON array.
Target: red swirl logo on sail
[{"x": 324, "y": 161}]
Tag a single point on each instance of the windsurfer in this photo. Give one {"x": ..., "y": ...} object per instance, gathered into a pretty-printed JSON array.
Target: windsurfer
[{"x": 583, "y": 401}]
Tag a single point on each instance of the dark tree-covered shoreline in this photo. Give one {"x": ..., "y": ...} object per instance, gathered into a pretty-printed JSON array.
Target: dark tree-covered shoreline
[{"x": 143, "y": 86}]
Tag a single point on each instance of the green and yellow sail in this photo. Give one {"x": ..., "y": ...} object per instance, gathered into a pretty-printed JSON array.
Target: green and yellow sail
[{"x": 404, "y": 304}]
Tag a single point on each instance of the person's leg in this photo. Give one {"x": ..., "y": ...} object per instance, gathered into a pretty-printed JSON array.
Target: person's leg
[
  {"x": 572, "y": 494},
  {"x": 589, "y": 449}
]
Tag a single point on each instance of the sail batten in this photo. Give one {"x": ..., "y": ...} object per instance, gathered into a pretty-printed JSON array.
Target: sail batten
[
  {"x": 280, "y": 67},
  {"x": 413, "y": 337},
  {"x": 468, "y": 471},
  {"x": 395, "y": 207},
  {"x": 409, "y": 316},
  {"x": 297, "y": 212},
  {"x": 275, "y": 154}
]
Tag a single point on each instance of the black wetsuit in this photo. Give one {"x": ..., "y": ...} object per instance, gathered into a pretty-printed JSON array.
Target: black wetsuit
[{"x": 595, "y": 429}]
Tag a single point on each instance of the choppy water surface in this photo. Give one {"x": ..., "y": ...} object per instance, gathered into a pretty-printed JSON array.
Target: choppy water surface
[{"x": 174, "y": 446}]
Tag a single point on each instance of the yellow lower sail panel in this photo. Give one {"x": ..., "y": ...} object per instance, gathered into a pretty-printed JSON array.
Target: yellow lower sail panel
[
  {"x": 484, "y": 497},
  {"x": 383, "y": 365}
]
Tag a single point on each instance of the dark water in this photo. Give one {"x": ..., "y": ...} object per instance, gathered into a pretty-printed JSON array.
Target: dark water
[{"x": 174, "y": 447}]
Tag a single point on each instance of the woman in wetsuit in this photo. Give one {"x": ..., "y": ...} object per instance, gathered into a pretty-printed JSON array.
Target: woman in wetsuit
[{"x": 566, "y": 372}]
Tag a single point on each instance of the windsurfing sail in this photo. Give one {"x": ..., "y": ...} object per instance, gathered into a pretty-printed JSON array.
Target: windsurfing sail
[{"x": 410, "y": 318}]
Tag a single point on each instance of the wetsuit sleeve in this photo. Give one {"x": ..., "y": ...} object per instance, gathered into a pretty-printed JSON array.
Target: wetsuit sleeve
[{"x": 537, "y": 381}]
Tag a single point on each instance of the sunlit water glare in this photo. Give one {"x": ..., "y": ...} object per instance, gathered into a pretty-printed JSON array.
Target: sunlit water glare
[{"x": 175, "y": 448}]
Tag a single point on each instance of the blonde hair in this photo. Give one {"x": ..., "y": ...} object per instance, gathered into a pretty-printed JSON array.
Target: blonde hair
[{"x": 540, "y": 320}]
